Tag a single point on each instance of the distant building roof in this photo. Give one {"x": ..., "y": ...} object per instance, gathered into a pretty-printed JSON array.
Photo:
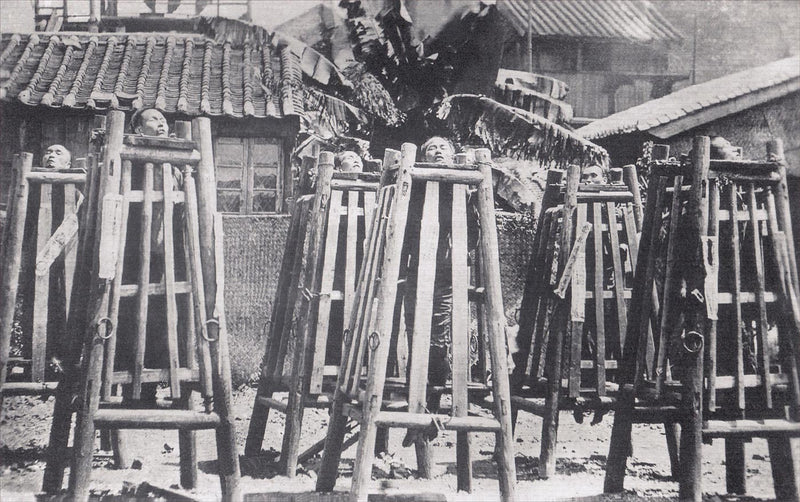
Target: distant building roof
[
  {"x": 637, "y": 21},
  {"x": 698, "y": 104},
  {"x": 183, "y": 73}
]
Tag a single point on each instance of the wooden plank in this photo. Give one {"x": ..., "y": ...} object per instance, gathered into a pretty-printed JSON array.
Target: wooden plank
[
  {"x": 736, "y": 299},
  {"x": 763, "y": 325},
  {"x": 670, "y": 285},
  {"x": 631, "y": 234},
  {"x": 155, "y": 419},
  {"x": 529, "y": 320},
  {"x": 351, "y": 253},
  {"x": 544, "y": 312},
  {"x": 169, "y": 280},
  {"x": 460, "y": 332},
  {"x": 577, "y": 309},
  {"x": 143, "y": 279},
  {"x": 113, "y": 311},
  {"x": 423, "y": 312},
  {"x": 328, "y": 254},
  {"x": 369, "y": 209},
  {"x": 599, "y": 300},
  {"x": 632, "y": 182},
  {"x": 711, "y": 289},
  {"x": 71, "y": 249},
  {"x": 619, "y": 294},
  {"x": 41, "y": 287}
]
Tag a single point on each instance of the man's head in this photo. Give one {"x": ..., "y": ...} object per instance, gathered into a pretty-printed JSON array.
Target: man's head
[
  {"x": 438, "y": 149},
  {"x": 593, "y": 175},
  {"x": 149, "y": 122},
  {"x": 57, "y": 157},
  {"x": 349, "y": 162},
  {"x": 721, "y": 148}
]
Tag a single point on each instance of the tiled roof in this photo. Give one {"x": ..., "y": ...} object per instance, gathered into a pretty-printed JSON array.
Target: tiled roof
[
  {"x": 636, "y": 20},
  {"x": 189, "y": 74},
  {"x": 758, "y": 84}
]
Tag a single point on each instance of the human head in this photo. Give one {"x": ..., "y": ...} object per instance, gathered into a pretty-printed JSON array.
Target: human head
[
  {"x": 150, "y": 122},
  {"x": 593, "y": 174},
  {"x": 438, "y": 149},
  {"x": 56, "y": 157},
  {"x": 349, "y": 162},
  {"x": 721, "y": 148}
]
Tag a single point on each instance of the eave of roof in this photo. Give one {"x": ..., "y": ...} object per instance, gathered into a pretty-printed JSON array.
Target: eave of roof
[
  {"x": 631, "y": 20},
  {"x": 701, "y": 103},
  {"x": 176, "y": 73}
]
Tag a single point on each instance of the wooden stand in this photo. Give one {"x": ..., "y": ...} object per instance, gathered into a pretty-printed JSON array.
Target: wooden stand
[
  {"x": 377, "y": 322},
  {"x": 563, "y": 277},
  {"x": 194, "y": 335},
  {"x": 717, "y": 249},
  {"x": 316, "y": 291},
  {"x": 56, "y": 207}
]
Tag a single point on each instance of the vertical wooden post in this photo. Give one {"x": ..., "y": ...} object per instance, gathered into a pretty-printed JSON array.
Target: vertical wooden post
[
  {"x": 109, "y": 181},
  {"x": 390, "y": 269},
  {"x": 213, "y": 273},
  {"x": 496, "y": 324},
  {"x": 775, "y": 150},
  {"x": 41, "y": 286},
  {"x": 12, "y": 255},
  {"x": 631, "y": 179},
  {"x": 696, "y": 325},
  {"x": 305, "y": 309},
  {"x": 559, "y": 323}
]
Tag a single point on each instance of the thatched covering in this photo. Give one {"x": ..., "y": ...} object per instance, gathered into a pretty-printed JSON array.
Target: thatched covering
[{"x": 513, "y": 132}]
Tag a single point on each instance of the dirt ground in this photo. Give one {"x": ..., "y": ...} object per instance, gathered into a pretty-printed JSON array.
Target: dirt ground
[{"x": 582, "y": 450}]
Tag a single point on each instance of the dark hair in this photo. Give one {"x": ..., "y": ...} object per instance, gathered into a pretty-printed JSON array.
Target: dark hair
[{"x": 136, "y": 118}]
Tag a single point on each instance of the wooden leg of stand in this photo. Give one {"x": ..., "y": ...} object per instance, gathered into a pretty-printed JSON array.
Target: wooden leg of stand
[
  {"x": 620, "y": 448},
  {"x": 734, "y": 466},
  {"x": 294, "y": 423},
  {"x": 119, "y": 446},
  {"x": 329, "y": 467},
  {"x": 673, "y": 432},
  {"x": 57, "y": 458},
  {"x": 691, "y": 446},
  {"x": 382, "y": 441},
  {"x": 785, "y": 457},
  {"x": 259, "y": 418},
  {"x": 547, "y": 456},
  {"x": 187, "y": 447}
]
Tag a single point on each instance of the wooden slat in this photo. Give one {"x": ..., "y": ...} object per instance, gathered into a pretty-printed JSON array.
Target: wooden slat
[
  {"x": 154, "y": 289},
  {"x": 670, "y": 283},
  {"x": 155, "y": 375},
  {"x": 334, "y": 221},
  {"x": 138, "y": 196},
  {"x": 143, "y": 278},
  {"x": 631, "y": 234},
  {"x": 71, "y": 249},
  {"x": 736, "y": 300},
  {"x": 169, "y": 280},
  {"x": 116, "y": 287},
  {"x": 599, "y": 299},
  {"x": 577, "y": 308},
  {"x": 540, "y": 333},
  {"x": 351, "y": 253},
  {"x": 41, "y": 286},
  {"x": 537, "y": 262},
  {"x": 459, "y": 329},
  {"x": 711, "y": 343},
  {"x": 763, "y": 325},
  {"x": 742, "y": 215},
  {"x": 423, "y": 309},
  {"x": 369, "y": 209},
  {"x": 619, "y": 295},
  {"x": 155, "y": 419}
]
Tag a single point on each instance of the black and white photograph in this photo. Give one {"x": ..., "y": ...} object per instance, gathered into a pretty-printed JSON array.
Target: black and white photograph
[{"x": 399, "y": 250}]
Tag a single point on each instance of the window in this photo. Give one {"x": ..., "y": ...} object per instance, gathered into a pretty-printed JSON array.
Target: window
[{"x": 249, "y": 175}]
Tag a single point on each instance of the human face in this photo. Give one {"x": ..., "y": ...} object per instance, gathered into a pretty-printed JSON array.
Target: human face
[
  {"x": 438, "y": 150},
  {"x": 721, "y": 148},
  {"x": 592, "y": 175},
  {"x": 351, "y": 163},
  {"x": 57, "y": 157},
  {"x": 152, "y": 123}
]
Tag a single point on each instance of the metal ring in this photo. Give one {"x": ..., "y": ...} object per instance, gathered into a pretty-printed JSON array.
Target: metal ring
[
  {"x": 109, "y": 328},
  {"x": 204, "y": 332},
  {"x": 692, "y": 342},
  {"x": 374, "y": 340}
]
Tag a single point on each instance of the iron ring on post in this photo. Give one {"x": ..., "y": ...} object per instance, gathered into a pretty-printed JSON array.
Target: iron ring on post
[
  {"x": 374, "y": 341},
  {"x": 109, "y": 328},
  {"x": 205, "y": 332},
  {"x": 692, "y": 342}
]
